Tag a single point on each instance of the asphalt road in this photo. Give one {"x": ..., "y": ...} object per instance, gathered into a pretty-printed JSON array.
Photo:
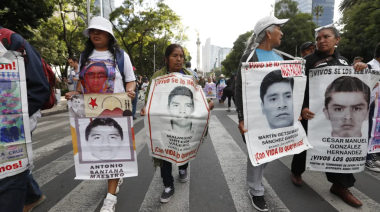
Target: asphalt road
[{"x": 217, "y": 177}]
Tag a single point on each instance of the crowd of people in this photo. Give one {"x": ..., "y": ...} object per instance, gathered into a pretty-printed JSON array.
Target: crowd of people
[{"x": 89, "y": 75}]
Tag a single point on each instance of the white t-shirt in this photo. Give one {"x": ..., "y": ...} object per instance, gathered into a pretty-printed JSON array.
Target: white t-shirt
[
  {"x": 128, "y": 70},
  {"x": 144, "y": 86}
]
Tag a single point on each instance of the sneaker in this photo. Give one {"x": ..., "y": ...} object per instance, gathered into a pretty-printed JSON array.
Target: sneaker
[
  {"x": 134, "y": 118},
  {"x": 258, "y": 202},
  {"x": 183, "y": 175},
  {"x": 118, "y": 185},
  {"x": 229, "y": 110},
  {"x": 167, "y": 194},
  {"x": 371, "y": 166},
  {"x": 30, "y": 207},
  {"x": 109, "y": 203},
  {"x": 374, "y": 160}
]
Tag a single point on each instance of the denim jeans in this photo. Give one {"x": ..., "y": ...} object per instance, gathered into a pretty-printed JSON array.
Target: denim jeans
[
  {"x": 12, "y": 192},
  {"x": 134, "y": 103},
  {"x": 33, "y": 192}
]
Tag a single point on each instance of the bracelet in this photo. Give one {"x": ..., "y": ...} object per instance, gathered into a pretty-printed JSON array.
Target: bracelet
[{"x": 80, "y": 92}]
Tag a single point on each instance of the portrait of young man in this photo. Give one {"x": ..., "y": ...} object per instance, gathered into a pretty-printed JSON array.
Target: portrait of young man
[
  {"x": 105, "y": 139},
  {"x": 276, "y": 95},
  {"x": 77, "y": 107},
  {"x": 347, "y": 106},
  {"x": 181, "y": 108}
]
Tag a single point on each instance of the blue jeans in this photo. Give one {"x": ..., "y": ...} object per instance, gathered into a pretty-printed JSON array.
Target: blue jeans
[
  {"x": 134, "y": 103},
  {"x": 12, "y": 192},
  {"x": 33, "y": 192}
]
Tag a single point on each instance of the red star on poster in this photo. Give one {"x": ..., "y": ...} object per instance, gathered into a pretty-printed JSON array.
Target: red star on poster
[{"x": 93, "y": 103}]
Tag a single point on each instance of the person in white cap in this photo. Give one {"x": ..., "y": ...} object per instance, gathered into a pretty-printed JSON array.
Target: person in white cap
[
  {"x": 104, "y": 68},
  {"x": 267, "y": 36}
]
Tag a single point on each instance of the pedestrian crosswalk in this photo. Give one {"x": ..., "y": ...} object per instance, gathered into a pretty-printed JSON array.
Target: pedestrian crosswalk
[{"x": 217, "y": 177}]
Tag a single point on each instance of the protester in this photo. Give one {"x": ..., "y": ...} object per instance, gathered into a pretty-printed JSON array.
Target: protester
[
  {"x": 134, "y": 102},
  {"x": 188, "y": 67},
  {"x": 73, "y": 74},
  {"x": 267, "y": 35},
  {"x": 222, "y": 80},
  {"x": 357, "y": 59},
  {"x": 202, "y": 82},
  {"x": 229, "y": 91},
  {"x": 174, "y": 58},
  {"x": 327, "y": 38},
  {"x": 21, "y": 192},
  {"x": 307, "y": 48},
  {"x": 372, "y": 160},
  {"x": 97, "y": 77}
]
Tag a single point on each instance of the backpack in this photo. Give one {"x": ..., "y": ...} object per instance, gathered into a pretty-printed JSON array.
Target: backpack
[{"x": 5, "y": 39}]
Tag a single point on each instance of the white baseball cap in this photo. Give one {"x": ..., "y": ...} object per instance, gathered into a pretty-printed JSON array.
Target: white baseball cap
[
  {"x": 99, "y": 23},
  {"x": 268, "y": 21}
]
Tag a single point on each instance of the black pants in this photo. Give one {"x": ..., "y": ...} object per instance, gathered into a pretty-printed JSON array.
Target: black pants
[
  {"x": 228, "y": 95},
  {"x": 166, "y": 173},
  {"x": 345, "y": 180}
]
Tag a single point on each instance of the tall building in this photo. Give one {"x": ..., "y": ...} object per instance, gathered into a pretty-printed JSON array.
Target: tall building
[
  {"x": 306, "y": 6},
  {"x": 106, "y": 8},
  {"x": 212, "y": 56}
]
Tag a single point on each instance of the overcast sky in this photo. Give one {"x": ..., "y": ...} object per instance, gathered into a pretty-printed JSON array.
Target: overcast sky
[{"x": 222, "y": 21}]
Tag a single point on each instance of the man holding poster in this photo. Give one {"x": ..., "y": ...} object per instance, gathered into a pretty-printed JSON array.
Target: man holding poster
[
  {"x": 262, "y": 92},
  {"x": 332, "y": 112},
  {"x": 175, "y": 135}
]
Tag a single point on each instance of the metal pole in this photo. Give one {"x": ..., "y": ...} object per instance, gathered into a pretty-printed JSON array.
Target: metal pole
[
  {"x": 154, "y": 58},
  {"x": 101, "y": 8},
  {"x": 88, "y": 12}
]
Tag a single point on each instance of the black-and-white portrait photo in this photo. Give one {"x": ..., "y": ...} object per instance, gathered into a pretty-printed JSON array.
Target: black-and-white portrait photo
[
  {"x": 346, "y": 106},
  {"x": 76, "y": 106},
  {"x": 181, "y": 108},
  {"x": 105, "y": 139},
  {"x": 276, "y": 94}
]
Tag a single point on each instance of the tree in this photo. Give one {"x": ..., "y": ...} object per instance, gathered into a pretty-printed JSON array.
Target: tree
[
  {"x": 347, "y": 4},
  {"x": 318, "y": 11},
  {"x": 360, "y": 33},
  {"x": 21, "y": 15},
  {"x": 232, "y": 61},
  {"x": 286, "y": 8},
  {"x": 137, "y": 27}
]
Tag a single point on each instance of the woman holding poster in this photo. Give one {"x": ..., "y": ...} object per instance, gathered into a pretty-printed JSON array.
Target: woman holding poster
[
  {"x": 180, "y": 106},
  {"x": 327, "y": 38},
  {"x": 99, "y": 73},
  {"x": 267, "y": 36}
]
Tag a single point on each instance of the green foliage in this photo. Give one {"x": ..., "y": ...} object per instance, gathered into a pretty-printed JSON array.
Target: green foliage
[
  {"x": 347, "y": 4},
  {"x": 21, "y": 15},
  {"x": 232, "y": 61},
  {"x": 361, "y": 30},
  {"x": 139, "y": 28},
  {"x": 286, "y": 8},
  {"x": 318, "y": 11}
]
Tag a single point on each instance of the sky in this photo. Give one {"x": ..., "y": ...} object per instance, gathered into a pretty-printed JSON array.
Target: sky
[{"x": 219, "y": 20}]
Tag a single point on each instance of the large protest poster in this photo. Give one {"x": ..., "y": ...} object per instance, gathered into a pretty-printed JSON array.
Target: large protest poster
[
  {"x": 272, "y": 100},
  {"x": 219, "y": 90},
  {"x": 103, "y": 136},
  {"x": 340, "y": 98},
  {"x": 15, "y": 139},
  {"x": 177, "y": 118},
  {"x": 374, "y": 143},
  {"x": 210, "y": 90}
]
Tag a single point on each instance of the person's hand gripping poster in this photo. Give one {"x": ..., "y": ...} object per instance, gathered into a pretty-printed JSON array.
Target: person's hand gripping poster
[
  {"x": 340, "y": 99},
  {"x": 103, "y": 138},
  {"x": 177, "y": 118},
  {"x": 272, "y": 97}
]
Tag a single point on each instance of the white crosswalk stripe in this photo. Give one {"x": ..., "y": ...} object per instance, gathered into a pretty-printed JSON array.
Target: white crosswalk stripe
[{"x": 88, "y": 195}]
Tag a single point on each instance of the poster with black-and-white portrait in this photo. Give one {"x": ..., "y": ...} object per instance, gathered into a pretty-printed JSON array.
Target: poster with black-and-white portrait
[
  {"x": 102, "y": 133},
  {"x": 340, "y": 99},
  {"x": 177, "y": 118},
  {"x": 272, "y": 100}
]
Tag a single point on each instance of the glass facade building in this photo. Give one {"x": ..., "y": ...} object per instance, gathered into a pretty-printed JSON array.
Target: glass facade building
[{"x": 105, "y": 8}]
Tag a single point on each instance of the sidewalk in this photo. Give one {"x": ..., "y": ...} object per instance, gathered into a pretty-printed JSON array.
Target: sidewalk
[{"x": 61, "y": 107}]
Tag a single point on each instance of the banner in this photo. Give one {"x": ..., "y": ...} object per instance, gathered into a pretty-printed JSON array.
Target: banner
[
  {"x": 219, "y": 90},
  {"x": 340, "y": 99},
  {"x": 272, "y": 97},
  {"x": 210, "y": 90},
  {"x": 16, "y": 153},
  {"x": 374, "y": 143},
  {"x": 103, "y": 136},
  {"x": 177, "y": 118}
]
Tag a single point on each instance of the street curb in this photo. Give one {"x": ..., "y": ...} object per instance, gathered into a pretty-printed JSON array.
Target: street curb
[{"x": 53, "y": 112}]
